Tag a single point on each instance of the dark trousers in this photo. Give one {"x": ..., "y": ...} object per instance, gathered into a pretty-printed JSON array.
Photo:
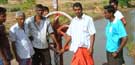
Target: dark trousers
[
  {"x": 114, "y": 60},
  {"x": 122, "y": 57},
  {"x": 41, "y": 57},
  {"x": 121, "y": 53}
]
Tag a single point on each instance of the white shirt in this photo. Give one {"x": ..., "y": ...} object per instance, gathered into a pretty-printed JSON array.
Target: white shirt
[
  {"x": 39, "y": 32},
  {"x": 23, "y": 45},
  {"x": 118, "y": 15},
  {"x": 80, "y": 31}
]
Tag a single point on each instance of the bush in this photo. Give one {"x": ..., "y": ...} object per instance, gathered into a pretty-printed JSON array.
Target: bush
[
  {"x": 31, "y": 1},
  {"x": 124, "y": 3},
  {"x": 23, "y": 6},
  {"x": 28, "y": 4},
  {"x": 3, "y": 1},
  {"x": 14, "y": 9}
]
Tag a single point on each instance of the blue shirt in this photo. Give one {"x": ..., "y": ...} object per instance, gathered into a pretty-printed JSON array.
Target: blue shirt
[{"x": 114, "y": 32}]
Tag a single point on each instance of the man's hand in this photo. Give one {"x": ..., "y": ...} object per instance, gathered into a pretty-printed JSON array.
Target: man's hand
[
  {"x": 90, "y": 51},
  {"x": 58, "y": 47},
  {"x": 115, "y": 54},
  {"x": 62, "y": 51}
]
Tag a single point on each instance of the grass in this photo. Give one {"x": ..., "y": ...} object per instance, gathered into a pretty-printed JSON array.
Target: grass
[
  {"x": 21, "y": 6},
  {"x": 131, "y": 47},
  {"x": 3, "y": 1}
]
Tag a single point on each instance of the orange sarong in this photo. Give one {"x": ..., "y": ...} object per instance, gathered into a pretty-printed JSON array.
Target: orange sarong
[{"x": 82, "y": 57}]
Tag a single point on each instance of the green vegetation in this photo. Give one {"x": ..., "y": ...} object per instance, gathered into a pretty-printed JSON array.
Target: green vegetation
[
  {"x": 124, "y": 3},
  {"x": 127, "y": 3},
  {"x": 22, "y": 6},
  {"x": 62, "y": 19},
  {"x": 3, "y": 1},
  {"x": 130, "y": 46}
]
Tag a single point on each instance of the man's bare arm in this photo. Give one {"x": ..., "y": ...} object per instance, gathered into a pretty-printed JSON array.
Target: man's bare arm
[
  {"x": 54, "y": 39},
  {"x": 92, "y": 40},
  {"x": 124, "y": 21},
  {"x": 123, "y": 43}
]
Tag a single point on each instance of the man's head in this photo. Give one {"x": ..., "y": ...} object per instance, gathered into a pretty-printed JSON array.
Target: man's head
[
  {"x": 114, "y": 3},
  {"x": 46, "y": 10},
  {"x": 39, "y": 9},
  {"x": 77, "y": 7},
  {"x": 109, "y": 11},
  {"x": 2, "y": 15},
  {"x": 20, "y": 17}
]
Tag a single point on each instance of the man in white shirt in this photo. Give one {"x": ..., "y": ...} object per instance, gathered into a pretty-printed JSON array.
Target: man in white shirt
[
  {"x": 81, "y": 33},
  {"x": 39, "y": 27},
  {"x": 21, "y": 44},
  {"x": 117, "y": 13}
]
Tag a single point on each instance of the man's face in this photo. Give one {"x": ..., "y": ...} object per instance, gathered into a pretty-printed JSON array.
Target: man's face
[
  {"x": 39, "y": 11},
  {"x": 114, "y": 5},
  {"x": 45, "y": 12},
  {"x": 77, "y": 10},
  {"x": 20, "y": 20},
  {"x": 2, "y": 18},
  {"x": 107, "y": 15}
]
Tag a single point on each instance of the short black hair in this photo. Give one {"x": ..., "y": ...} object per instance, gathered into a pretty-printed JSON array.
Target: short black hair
[
  {"x": 2, "y": 10},
  {"x": 114, "y": 1},
  {"x": 46, "y": 8},
  {"x": 109, "y": 8},
  {"x": 39, "y": 6},
  {"x": 77, "y": 4}
]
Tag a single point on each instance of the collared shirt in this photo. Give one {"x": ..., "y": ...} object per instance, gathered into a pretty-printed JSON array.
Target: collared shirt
[
  {"x": 39, "y": 32},
  {"x": 80, "y": 31},
  {"x": 114, "y": 32},
  {"x": 23, "y": 44},
  {"x": 118, "y": 15}
]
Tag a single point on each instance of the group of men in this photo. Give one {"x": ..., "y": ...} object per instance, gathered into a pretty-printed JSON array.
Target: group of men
[{"x": 30, "y": 44}]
